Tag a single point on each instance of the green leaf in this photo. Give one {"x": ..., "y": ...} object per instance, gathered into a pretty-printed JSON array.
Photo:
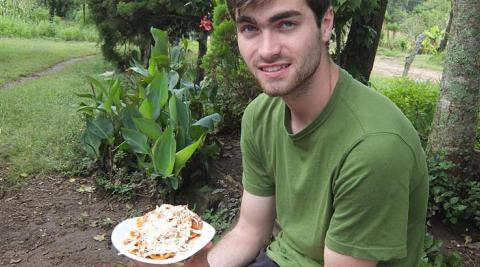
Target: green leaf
[
  {"x": 146, "y": 109},
  {"x": 182, "y": 156},
  {"x": 161, "y": 41},
  {"x": 101, "y": 127},
  {"x": 173, "y": 78},
  {"x": 91, "y": 144},
  {"x": 138, "y": 68},
  {"x": 98, "y": 84},
  {"x": 174, "y": 182},
  {"x": 148, "y": 127},
  {"x": 113, "y": 96},
  {"x": 136, "y": 140},
  {"x": 180, "y": 117},
  {"x": 164, "y": 153},
  {"x": 210, "y": 121},
  {"x": 160, "y": 50},
  {"x": 160, "y": 84},
  {"x": 127, "y": 115}
]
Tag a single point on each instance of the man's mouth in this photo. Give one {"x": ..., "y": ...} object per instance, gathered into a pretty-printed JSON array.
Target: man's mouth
[{"x": 274, "y": 68}]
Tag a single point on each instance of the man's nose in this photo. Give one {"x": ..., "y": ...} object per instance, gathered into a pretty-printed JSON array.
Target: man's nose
[{"x": 270, "y": 48}]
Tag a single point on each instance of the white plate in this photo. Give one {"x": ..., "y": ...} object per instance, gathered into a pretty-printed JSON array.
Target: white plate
[{"x": 121, "y": 232}]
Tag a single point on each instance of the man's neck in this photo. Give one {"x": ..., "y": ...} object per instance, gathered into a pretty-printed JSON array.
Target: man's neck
[{"x": 306, "y": 104}]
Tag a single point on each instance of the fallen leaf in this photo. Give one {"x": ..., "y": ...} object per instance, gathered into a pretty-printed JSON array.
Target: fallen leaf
[
  {"x": 13, "y": 261},
  {"x": 99, "y": 238},
  {"x": 85, "y": 214},
  {"x": 93, "y": 224},
  {"x": 86, "y": 189},
  {"x": 129, "y": 206},
  {"x": 71, "y": 180},
  {"x": 468, "y": 239},
  {"x": 24, "y": 174}
]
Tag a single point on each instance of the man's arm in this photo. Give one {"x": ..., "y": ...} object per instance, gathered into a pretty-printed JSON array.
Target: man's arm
[
  {"x": 252, "y": 232},
  {"x": 334, "y": 259}
]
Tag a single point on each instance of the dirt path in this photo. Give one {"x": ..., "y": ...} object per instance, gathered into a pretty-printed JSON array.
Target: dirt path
[
  {"x": 387, "y": 66},
  {"x": 50, "y": 70}
]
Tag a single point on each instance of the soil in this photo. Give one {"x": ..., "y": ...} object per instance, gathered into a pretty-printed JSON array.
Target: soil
[{"x": 388, "y": 66}]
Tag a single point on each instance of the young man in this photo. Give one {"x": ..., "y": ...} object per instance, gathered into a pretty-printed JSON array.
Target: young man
[{"x": 337, "y": 164}]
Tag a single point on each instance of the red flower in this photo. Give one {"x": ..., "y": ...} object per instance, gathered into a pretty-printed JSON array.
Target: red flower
[{"x": 206, "y": 24}]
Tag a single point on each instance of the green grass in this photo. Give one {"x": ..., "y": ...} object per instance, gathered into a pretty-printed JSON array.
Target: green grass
[
  {"x": 39, "y": 126},
  {"x": 23, "y": 56},
  {"x": 57, "y": 29}
]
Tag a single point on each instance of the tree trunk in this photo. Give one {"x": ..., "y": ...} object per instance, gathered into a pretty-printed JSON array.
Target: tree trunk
[
  {"x": 409, "y": 59},
  {"x": 52, "y": 9},
  {"x": 455, "y": 123},
  {"x": 443, "y": 43},
  {"x": 83, "y": 7},
  {"x": 202, "y": 51},
  {"x": 358, "y": 57}
]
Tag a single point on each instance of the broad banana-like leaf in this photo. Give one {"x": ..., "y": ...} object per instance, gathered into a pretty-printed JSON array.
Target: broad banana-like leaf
[
  {"x": 136, "y": 140},
  {"x": 91, "y": 144},
  {"x": 146, "y": 109},
  {"x": 127, "y": 115},
  {"x": 101, "y": 127},
  {"x": 173, "y": 78},
  {"x": 164, "y": 153},
  {"x": 182, "y": 156},
  {"x": 148, "y": 127},
  {"x": 160, "y": 85}
]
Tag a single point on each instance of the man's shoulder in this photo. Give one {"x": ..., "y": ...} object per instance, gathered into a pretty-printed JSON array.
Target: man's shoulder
[{"x": 263, "y": 107}]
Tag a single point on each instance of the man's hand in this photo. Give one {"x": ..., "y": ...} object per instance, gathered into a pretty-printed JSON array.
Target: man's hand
[{"x": 197, "y": 260}]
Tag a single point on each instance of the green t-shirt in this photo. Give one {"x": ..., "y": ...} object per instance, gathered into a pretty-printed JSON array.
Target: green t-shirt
[{"x": 355, "y": 179}]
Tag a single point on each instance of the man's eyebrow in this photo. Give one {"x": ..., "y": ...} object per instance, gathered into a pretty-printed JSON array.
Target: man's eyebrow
[
  {"x": 284, "y": 15},
  {"x": 245, "y": 19}
]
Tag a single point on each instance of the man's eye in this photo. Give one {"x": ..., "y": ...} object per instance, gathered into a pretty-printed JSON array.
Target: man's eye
[
  {"x": 248, "y": 28},
  {"x": 286, "y": 25}
]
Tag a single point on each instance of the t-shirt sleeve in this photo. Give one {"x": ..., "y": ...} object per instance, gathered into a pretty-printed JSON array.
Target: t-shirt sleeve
[
  {"x": 371, "y": 200},
  {"x": 256, "y": 179}
]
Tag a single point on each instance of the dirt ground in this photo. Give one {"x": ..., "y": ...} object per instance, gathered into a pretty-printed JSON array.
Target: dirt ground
[
  {"x": 387, "y": 66},
  {"x": 48, "y": 222}
]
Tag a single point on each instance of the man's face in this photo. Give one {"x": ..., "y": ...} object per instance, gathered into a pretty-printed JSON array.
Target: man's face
[{"x": 281, "y": 44}]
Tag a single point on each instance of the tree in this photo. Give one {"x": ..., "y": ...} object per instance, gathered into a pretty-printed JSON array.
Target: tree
[
  {"x": 59, "y": 8},
  {"x": 443, "y": 43},
  {"x": 455, "y": 122},
  {"x": 359, "y": 53},
  {"x": 124, "y": 24}
]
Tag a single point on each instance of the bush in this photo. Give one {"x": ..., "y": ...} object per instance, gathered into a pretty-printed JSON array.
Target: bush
[
  {"x": 417, "y": 100},
  {"x": 433, "y": 256},
  {"x": 226, "y": 72},
  {"x": 144, "y": 123},
  {"x": 453, "y": 198},
  {"x": 10, "y": 27}
]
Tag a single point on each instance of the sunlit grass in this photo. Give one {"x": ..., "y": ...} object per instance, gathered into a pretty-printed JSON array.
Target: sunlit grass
[
  {"x": 39, "y": 126},
  {"x": 23, "y": 56}
]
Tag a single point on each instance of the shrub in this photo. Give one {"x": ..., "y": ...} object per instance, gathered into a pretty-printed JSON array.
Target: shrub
[
  {"x": 11, "y": 27},
  {"x": 453, "y": 198},
  {"x": 417, "y": 100},
  {"x": 144, "y": 123},
  {"x": 225, "y": 71},
  {"x": 434, "y": 257}
]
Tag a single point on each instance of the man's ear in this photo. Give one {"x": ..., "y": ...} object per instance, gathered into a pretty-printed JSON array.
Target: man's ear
[{"x": 327, "y": 25}]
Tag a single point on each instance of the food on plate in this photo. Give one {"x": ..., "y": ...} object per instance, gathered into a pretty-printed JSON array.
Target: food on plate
[{"x": 164, "y": 232}]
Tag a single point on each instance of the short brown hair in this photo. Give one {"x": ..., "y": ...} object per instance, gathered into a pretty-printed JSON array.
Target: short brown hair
[{"x": 319, "y": 7}]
